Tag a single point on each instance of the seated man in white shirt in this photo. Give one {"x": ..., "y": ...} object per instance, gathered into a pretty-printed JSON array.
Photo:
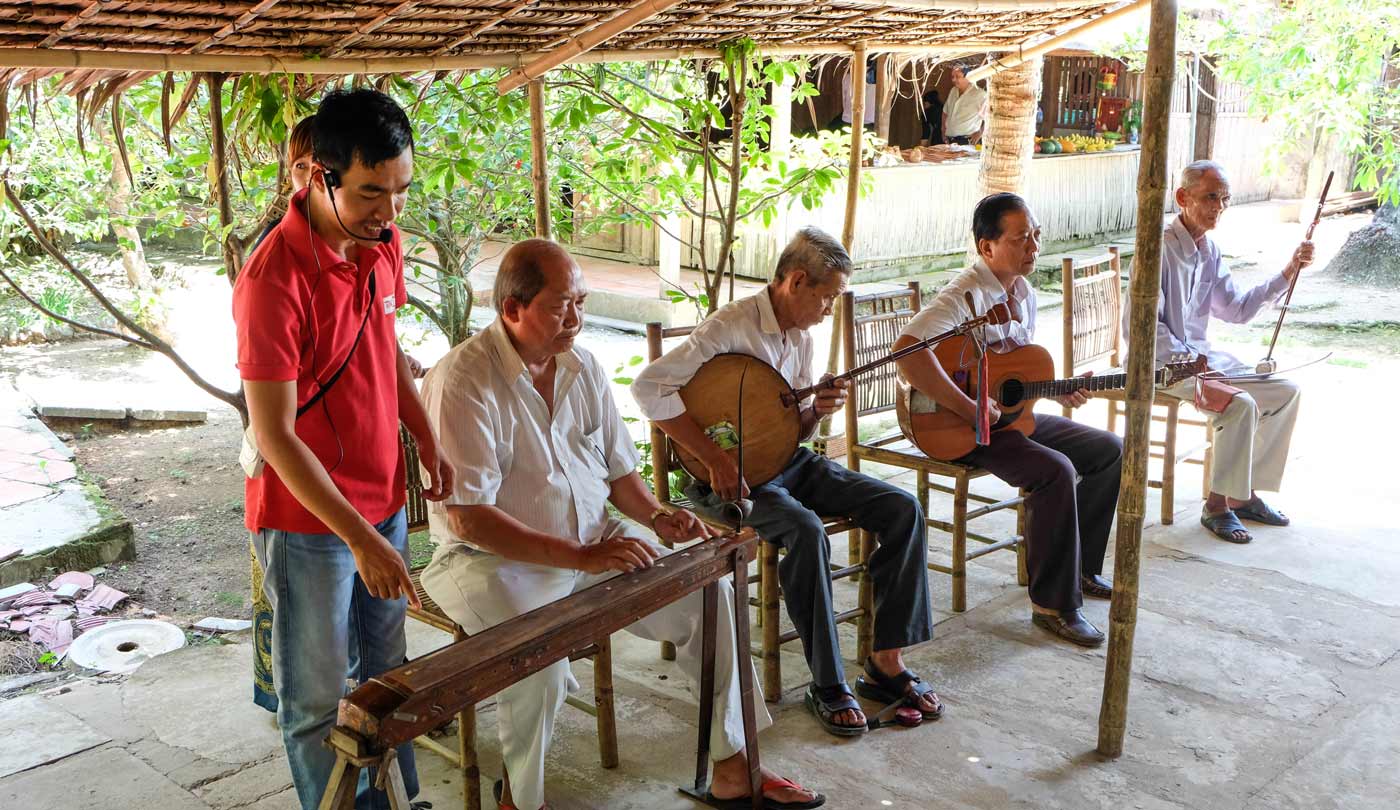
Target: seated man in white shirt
[
  {"x": 1253, "y": 432},
  {"x": 773, "y": 327},
  {"x": 1068, "y": 523},
  {"x": 530, "y": 420}
]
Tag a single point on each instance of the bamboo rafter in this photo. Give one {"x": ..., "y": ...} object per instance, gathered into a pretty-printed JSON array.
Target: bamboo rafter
[
  {"x": 73, "y": 22},
  {"x": 102, "y": 39}
]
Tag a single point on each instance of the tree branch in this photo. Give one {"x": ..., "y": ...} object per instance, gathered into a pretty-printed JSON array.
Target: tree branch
[
  {"x": 75, "y": 324},
  {"x": 232, "y": 398},
  {"x": 428, "y": 312}
]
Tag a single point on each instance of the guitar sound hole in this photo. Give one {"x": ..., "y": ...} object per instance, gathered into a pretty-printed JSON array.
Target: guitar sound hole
[{"x": 1012, "y": 392}]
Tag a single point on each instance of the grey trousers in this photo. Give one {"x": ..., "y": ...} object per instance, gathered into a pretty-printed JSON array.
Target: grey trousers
[{"x": 787, "y": 511}]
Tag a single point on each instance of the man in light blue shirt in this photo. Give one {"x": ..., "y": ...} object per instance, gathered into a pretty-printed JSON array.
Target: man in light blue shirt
[{"x": 1253, "y": 432}]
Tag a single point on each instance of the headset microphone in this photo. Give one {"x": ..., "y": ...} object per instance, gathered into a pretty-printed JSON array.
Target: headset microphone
[{"x": 332, "y": 178}]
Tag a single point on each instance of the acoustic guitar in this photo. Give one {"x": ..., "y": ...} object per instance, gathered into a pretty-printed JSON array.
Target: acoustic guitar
[
  {"x": 1017, "y": 378},
  {"x": 767, "y": 417}
]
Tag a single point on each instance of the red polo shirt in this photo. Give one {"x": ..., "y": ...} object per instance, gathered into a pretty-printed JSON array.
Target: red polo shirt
[{"x": 298, "y": 306}]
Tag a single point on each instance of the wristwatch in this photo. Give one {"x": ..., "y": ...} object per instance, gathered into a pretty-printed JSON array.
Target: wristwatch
[{"x": 651, "y": 521}]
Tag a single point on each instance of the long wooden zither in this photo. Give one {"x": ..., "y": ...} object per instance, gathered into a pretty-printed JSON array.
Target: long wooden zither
[
  {"x": 728, "y": 384},
  {"x": 1017, "y": 378},
  {"x": 405, "y": 702}
]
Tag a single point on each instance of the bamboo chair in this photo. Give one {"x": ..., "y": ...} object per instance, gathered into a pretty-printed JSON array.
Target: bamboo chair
[
  {"x": 1093, "y": 334},
  {"x": 464, "y": 757},
  {"x": 869, "y": 326},
  {"x": 769, "y": 600}
]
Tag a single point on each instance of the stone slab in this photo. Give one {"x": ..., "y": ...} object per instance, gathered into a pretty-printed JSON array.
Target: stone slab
[
  {"x": 73, "y": 530},
  {"x": 249, "y": 785},
  {"x": 168, "y": 415},
  {"x": 81, "y": 412},
  {"x": 37, "y": 733},
  {"x": 106, "y": 778},
  {"x": 175, "y": 694},
  {"x": 214, "y": 624}
]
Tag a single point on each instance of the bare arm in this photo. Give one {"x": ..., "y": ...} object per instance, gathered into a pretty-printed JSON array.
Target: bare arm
[
  {"x": 415, "y": 417},
  {"x": 272, "y": 411},
  {"x": 491, "y": 529}
]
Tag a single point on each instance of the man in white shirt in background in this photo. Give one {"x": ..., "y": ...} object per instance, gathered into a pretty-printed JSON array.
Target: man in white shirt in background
[
  {"x": 529, "y": 419},
  {"x": 773, "y": 326},
  {"x": 962, "y": 112},
  {"x": 1253, "y": 433}
]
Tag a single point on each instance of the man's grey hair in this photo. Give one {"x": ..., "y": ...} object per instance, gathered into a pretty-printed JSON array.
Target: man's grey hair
[
  {"x": 816, "y": 252},
  {"x": 1192, "y": 172},
  {"x": 521, "y": 274}
]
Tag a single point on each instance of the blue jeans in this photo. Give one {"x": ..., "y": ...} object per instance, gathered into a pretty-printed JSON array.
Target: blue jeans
[{"x": 326, "y": 627}]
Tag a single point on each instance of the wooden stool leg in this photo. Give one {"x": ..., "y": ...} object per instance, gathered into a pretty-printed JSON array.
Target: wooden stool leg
[
  {"x": 1208, "y": 463},
  {"x": 466, "y": 750},
  {"x": 341, "y": 787},
  {"x": 1113, "y": 416},
  {"x": 1169, "y": 465},
  {"x": 865, "y": 625},
  {"x": 603, "y": 703},
  {"x": 1023, "y": 576},
  {"x": 960, "y": 543},
  {"x": 768, "y": 605}
]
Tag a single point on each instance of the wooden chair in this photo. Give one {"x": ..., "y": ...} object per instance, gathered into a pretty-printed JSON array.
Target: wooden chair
[
  {"x": 869, "y": 326},
  {"x": 769, "y": 600},
  {"x": 1093, "y": 292},
  {"x": 464, "y": 757}
]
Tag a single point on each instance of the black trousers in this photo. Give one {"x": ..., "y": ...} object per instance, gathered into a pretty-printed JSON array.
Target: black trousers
[{"x": 1068, "y": 524}]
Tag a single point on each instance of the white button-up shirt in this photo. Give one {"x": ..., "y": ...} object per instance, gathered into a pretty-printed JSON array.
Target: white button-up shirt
[
  {"x": 548, "y": 471},
  {"x": 747, "y": 326},
  {"x": 1196, "y": 285},
  {"x": 949, "y": 307},
  {"x": 965, "y": 111}
]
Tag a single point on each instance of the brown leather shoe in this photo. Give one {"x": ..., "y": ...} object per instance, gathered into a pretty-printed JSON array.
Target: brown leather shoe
[
  {"x": 1071, "y": 626},
  {"x": 1096, "y": 586}
]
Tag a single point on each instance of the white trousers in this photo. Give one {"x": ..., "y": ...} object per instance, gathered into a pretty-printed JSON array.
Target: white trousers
[
  {"x": 479, "y": 590},
  {"x": 1251, "y": 436}
]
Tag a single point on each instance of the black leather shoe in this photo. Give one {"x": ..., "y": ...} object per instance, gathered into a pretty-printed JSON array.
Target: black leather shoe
[
  {"x": 1069, "y": 625},
  {"x": 1096, "y": 586}
]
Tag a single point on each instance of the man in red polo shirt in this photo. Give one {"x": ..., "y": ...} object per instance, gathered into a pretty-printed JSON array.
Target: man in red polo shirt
[{"x": 327, "y": 387}]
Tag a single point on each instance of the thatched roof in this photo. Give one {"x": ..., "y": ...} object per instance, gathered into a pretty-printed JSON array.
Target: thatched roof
[{"x": 380, "y": 36}]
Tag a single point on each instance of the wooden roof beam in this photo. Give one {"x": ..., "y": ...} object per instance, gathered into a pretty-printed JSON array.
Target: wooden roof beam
[
  {"x": 234, "y": 27},
  {"x": 73, "y": 22},
  {"x": 369, "y": 28},
  {"x": 639, "y": 13}
]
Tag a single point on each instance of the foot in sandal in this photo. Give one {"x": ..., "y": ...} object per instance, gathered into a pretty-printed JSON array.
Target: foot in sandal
[{"x": 729, "y": 788}]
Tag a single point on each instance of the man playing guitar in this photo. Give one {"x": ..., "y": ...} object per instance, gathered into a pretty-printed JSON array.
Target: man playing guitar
[
  {"x": 773, "y": 327},
  {"x": 1068, "y": 522}
]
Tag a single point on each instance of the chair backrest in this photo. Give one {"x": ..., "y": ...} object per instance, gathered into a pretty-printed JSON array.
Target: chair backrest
[
  {"x": 416, "y": 505},
  {"x": 660, "y": 444},
  {"x": 869, "y": 326},
  {"x": 1092, "y": 309}
]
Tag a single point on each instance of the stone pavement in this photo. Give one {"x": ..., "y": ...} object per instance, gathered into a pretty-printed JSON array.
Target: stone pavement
[{"x": 50, "y": 519}]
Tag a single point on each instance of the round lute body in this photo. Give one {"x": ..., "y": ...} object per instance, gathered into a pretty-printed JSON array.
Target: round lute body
[
  {"x": 770, "y": 428},
  {"x": 942, "y": 434}
]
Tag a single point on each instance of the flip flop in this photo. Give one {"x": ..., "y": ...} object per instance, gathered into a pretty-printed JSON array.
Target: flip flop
[
  {"x": 1259, "y": 512},
  {"x": 826, "y": 702},
  {"x": 1224, "y": 525},
  {"x": 746, "y": 802},
  {"x": 896, "y": 688}
]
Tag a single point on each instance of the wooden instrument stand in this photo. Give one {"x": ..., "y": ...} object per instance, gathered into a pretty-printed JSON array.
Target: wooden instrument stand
[{"x": 403, "y": 703}]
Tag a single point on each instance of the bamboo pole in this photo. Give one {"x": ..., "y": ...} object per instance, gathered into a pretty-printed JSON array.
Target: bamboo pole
[
  {"x": 848, "y": 228},
  {"x": 69, "y": 60},
  {"x": 588, "y": 40},
  {"x": 1020, "y": 55},
  {"x": 539, "y": 161},
  {"x": 1143, "y": 292},
  {"x": 233, "y": 257}
]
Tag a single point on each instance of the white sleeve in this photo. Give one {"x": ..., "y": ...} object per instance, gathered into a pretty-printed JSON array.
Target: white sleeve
[
  {"x": 467, "y": 425},
  {"x": 657, "y": 388}
]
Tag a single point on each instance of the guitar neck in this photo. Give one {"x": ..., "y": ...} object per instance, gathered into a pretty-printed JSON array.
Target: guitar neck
[{"x": 1057, "y": 388}]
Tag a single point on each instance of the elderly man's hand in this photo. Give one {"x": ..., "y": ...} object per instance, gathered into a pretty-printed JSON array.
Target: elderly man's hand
[{"x": 1302, "y": 257}]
